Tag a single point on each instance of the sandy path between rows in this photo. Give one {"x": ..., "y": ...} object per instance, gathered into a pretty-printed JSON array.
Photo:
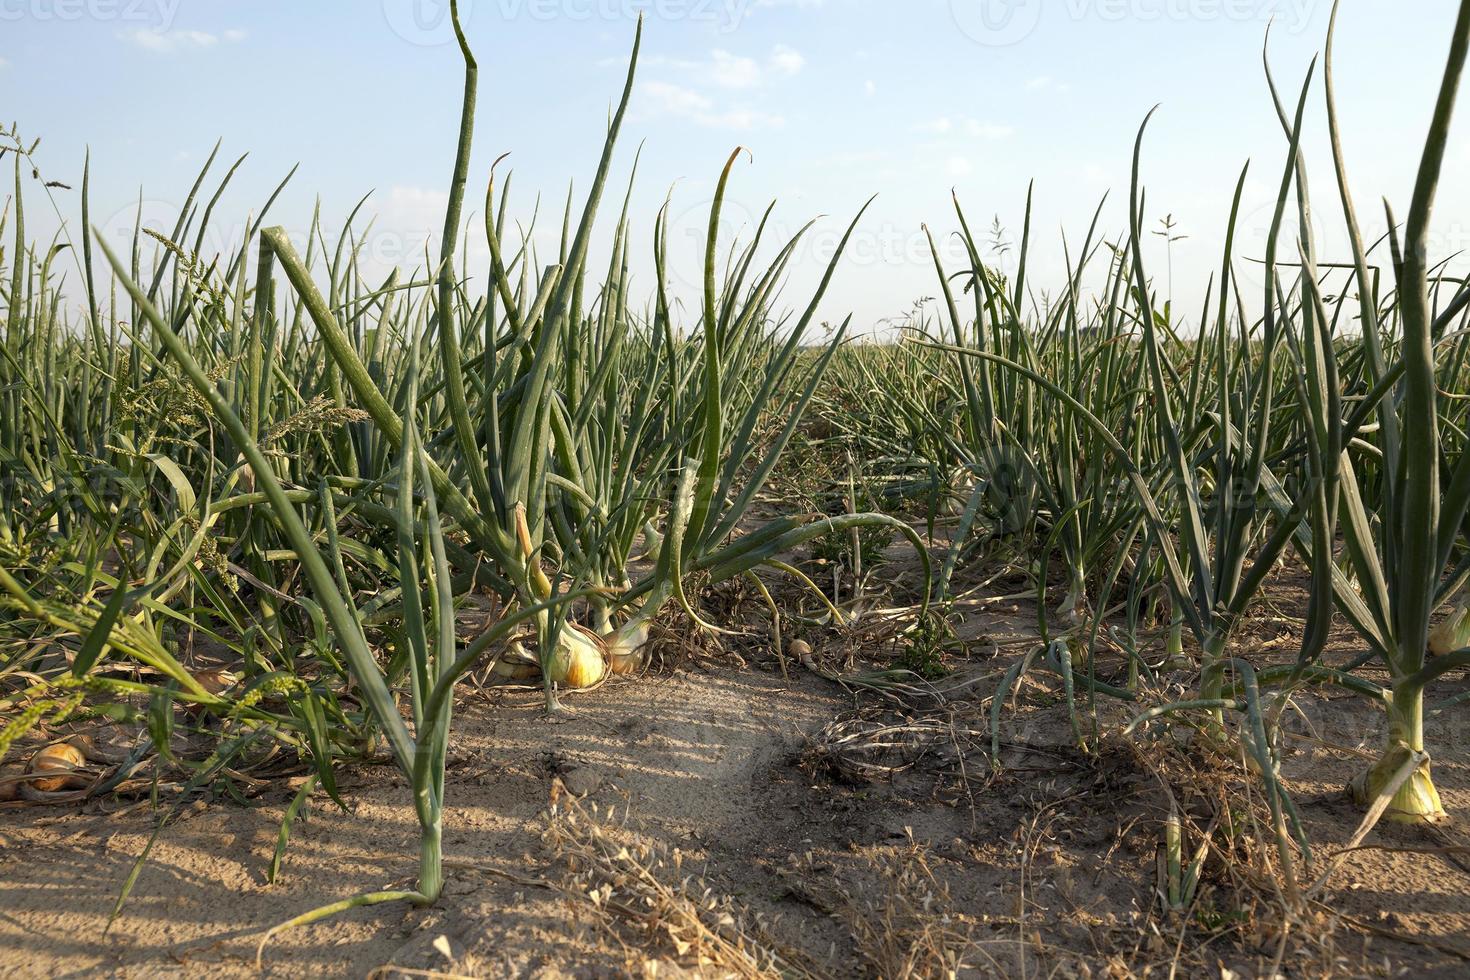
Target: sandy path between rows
[{"x": 691, "y": 754}]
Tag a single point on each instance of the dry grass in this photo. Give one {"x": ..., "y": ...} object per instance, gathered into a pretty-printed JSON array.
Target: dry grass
[
  {"x": 870, "y": 746},
  {"x": 648, "y": 899},
  {"x": 909, "y": 925}
]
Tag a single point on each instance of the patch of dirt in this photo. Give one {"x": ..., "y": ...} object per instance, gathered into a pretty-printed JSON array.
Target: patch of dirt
[
  {"x": 920, "y": 861},
  {"x": 694, "y": 756}
]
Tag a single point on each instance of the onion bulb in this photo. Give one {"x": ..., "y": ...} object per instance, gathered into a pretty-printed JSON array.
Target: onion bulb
[
  {"x": 625, "y": 648},
  {"x": 1072, "y": 610},
  {"x": 578, "y": 660},
  {"x": 61, "y": 760},
  {"x": 214, "y": 680},
  {"x": 516, "y": 664},
  {"x": 1452, "y": 633},
  {"x": 1416, "y": 800}
]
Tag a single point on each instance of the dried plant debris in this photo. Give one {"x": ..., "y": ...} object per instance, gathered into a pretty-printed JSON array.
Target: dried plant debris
[{"x": 650, "y": 899}]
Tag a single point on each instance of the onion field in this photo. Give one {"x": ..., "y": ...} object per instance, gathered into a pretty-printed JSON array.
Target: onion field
[{"x": 509, "y": 619}]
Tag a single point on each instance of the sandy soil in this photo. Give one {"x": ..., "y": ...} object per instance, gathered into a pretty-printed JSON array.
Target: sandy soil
[
  {"x": 693, "y": 756},
  {"x": 1045, "y": 870}
]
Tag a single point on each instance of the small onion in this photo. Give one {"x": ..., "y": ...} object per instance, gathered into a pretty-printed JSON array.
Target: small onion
[
  {"x": 214, "y": 680},
  {"x": 61, "y": 759},
  {"x": 516, "y": 664},
  {"x": 1452, "y": 633},
  {"x": 801, "y": 650}
]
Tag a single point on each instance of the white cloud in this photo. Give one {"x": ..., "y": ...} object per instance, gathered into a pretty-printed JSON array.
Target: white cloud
[
  {"x": 723, "y": 70},
  {"x": 870, "y": 87},
  {"x": 944, "y": 126},
  {"x": 989, "y": 130},
  {"x": 787, "y": 60},
  {"x": 958, "y": 166},
  {"x": 729, "y": 70},
  {"x": 1045, "y": 83},
  {"x": 4, "y": 64},
  {"x": 732, "y": 71},
  {"x": 741, "y": 119},
  {"x": 675, "y": 100},
  {"x": 409, "y": 200},
  {"x": 166, "y": 42}
]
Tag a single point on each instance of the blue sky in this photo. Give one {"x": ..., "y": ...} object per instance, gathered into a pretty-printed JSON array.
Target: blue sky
[{"x": 836, "y": 100}]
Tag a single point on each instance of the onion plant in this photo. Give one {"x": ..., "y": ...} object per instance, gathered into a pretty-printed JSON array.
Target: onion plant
[
  {"x": 435, "y": 663},
  {"x": 552, "y": 462},
  {"x": 1399, "y": 551},
  {"x": 1223, "y": 574},
  {"x": 1032, "y": 462}
]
